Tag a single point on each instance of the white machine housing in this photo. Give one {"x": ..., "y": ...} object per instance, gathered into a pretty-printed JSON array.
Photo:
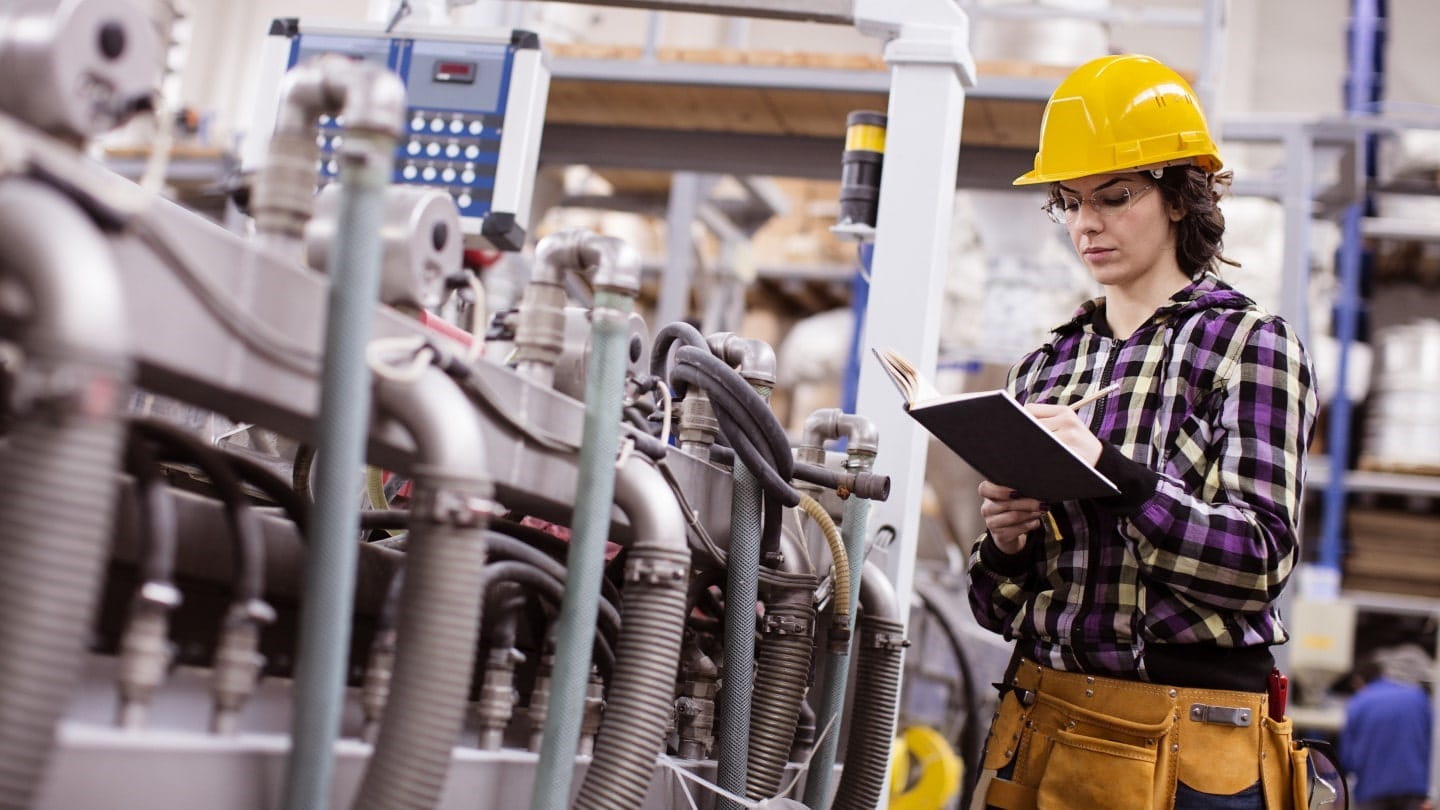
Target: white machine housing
[{"x": 476, "y": 110}]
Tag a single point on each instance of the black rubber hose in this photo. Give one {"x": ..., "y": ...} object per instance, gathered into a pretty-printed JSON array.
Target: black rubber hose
[
  {"x": 530, "y": 576},
  {"x": 270, "y": 483},
  {"x": 516, "y": 540},
  {"x": 751, "y": 410},
  {"x": 372, "y": 519},
  {"x": 158, "y": 537},
  {"x": 504, "y": 602},
  {"x": 872, "y": 719},
  {"x": 868, "y": 485},
  {"x": 668, "y": 335},
  {"x": 771, "y": 463},
  {"x": 637, "y": 420},
  {"x": 246, "y": 534},
  {"x": 300, "y": 472}
]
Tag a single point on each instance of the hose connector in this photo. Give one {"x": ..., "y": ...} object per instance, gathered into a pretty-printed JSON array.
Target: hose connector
[{"x": 755, "y": 358}]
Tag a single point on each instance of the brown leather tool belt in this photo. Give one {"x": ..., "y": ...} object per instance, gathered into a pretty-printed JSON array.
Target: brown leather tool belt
[{"x": 1086, "y": 742}]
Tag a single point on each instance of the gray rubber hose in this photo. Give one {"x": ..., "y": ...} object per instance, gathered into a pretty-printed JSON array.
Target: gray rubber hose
[
  {"x": 742, "y": 586},
  {"x": 652, "y": 625},
  {"x": 877, "y": 677},
  {"x": 59, "y": 456},
  {"x": 440, "y": 604}
]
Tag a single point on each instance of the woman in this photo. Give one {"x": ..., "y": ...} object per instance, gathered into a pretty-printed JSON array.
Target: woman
[{"x": 1143, "y": 621}]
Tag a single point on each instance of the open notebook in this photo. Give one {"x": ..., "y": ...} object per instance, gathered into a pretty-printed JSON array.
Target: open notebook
[{"x": 994, "y": 433}]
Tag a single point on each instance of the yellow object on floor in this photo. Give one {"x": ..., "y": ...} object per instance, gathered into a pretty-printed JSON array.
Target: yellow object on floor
[{"x": 925, "y": 771}]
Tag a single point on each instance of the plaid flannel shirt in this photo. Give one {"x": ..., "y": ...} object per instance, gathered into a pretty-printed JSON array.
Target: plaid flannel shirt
[{"x": 1207, "y": 439}]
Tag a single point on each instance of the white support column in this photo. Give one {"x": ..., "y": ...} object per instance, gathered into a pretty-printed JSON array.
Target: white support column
[{"x": 931, "y": 66}]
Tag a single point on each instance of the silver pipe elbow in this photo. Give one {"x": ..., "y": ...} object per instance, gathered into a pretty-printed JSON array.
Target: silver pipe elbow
[
  {"x": 754, "y": 358},
  {"x": 616, "y": 263},
  {"x": 556, "y": 254},
  {"x": 861, "y": 434},
  {"x": 374, "y": 100},
  {"x": 307, "y": 90}
]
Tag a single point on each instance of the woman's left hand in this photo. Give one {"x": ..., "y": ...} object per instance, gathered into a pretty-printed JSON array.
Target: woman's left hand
[{"x": 1068, "y": 428}]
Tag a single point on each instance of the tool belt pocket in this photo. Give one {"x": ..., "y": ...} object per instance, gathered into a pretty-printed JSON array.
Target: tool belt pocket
[
  {"x": 1088, "y": 773},
  {"x": 1082, "y": 758}
]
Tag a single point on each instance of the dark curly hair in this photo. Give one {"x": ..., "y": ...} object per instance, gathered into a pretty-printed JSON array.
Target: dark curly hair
[{"x": 1199, "y": 233}]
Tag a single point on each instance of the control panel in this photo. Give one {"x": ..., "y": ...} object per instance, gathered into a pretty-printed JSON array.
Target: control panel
[{"x": 476, "y": 111}]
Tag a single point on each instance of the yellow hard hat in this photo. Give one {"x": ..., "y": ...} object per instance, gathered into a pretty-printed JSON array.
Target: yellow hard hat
[{"x": 1118, "y": 113}]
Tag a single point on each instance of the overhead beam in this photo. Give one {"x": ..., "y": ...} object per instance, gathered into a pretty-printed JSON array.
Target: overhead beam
[
  {"x": 825, "y": 11},
  {"x": 739, "y": 153}
]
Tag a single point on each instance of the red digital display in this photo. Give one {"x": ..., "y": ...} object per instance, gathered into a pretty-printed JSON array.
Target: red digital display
[{"x": 455, "y": 72}]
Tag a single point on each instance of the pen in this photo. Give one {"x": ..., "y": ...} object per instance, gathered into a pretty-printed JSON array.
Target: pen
[{"x": 1086, "y": 400}]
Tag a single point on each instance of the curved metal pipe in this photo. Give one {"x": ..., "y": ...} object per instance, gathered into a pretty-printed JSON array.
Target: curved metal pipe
[
  {"x": 64, "y": 309},
  {"x": 651, "y": 630},
  {"x": 371, "y": 98},
  {"x": 440, "y": 603},
  {"x": 861, "y": 434}
]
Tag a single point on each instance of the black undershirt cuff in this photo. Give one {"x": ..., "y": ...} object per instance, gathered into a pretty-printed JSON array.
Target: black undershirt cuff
[
  {"x": 1137, "y": 482},
  {"x": 1008, "y": 565}
]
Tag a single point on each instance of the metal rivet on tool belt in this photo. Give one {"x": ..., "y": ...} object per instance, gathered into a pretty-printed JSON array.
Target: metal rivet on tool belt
[
  {"x": 1174, "y": 747},
  {"x": 1089, "y": 679},
  {"x": 1010, "y": 753},
  {"x": 1070, "y": 724},
  {"x": 1173, "y": 693},
  {"x": 1089, "y": 693}
]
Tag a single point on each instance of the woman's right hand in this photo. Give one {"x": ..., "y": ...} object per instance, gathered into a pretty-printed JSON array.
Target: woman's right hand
[{"x": 1008, "y": 517}]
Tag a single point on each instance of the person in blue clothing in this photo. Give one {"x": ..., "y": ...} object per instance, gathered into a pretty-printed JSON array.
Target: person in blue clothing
[{"x": 1385, "y": 744}]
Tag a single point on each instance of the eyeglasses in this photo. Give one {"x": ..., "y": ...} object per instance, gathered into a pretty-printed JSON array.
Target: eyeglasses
[{"x": 1110, "y": 202}]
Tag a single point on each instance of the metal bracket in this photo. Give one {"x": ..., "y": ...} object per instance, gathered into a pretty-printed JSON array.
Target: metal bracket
[{"x": 1220, "y": 715}]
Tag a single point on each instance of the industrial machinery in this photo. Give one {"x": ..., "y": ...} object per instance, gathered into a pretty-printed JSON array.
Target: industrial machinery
[
  {"x": 475, "y": 108},
  {"x": 408, "y": 576}
]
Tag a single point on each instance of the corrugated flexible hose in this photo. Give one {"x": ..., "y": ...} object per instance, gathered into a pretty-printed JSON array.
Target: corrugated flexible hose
[
  {"x": 59, "y": 459},
  {"x": 640, "y": 699},
  {"x": 783, "y": 666},
  {"x": 872, "y": 721}
]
